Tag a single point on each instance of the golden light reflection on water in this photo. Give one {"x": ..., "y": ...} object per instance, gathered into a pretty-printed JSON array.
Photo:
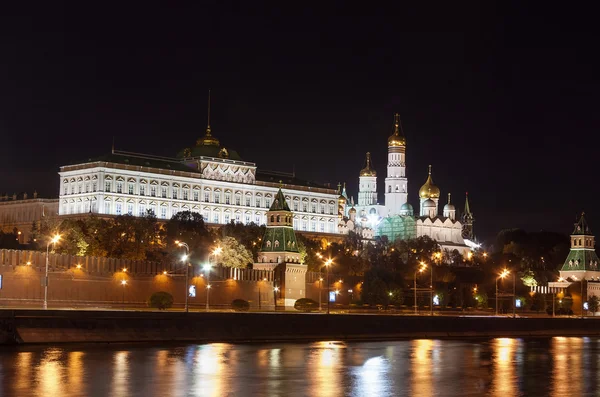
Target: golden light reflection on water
[
  {"x": 49, "y": 375},
  {"x": 23, "y": 370},
  {"x": 566, "y": 353},
  {"x": 210, "y": 370},
  {"x": 120, "y": 377},
  {"x": 324, "y": 362},
  {"x": 504, "y": 382},
  {"x": 75, "y": 373},
  {"x": 421, "y": 367}
]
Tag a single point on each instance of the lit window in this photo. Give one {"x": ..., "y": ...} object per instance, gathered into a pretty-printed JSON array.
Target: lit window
[
  {"x": 118, "y": 208},
  {"x": 174, "y": 193},
  {"x": 142, "y": 210},
  {"x": 217, "y": 198},
  {"x": 163, "y": 212},
  {"x": 238, "y": 200},
  {"x": 185, "y": 194},
  {"x": 164, "y": 192},
  {"x": 142, "y": 190},
  {"x": 130, "y": 188},
  {"x": 119, "y": 187},
  {"x": 196, "y": 195},
  {"x": 153, "y": 191},
  {"x": 106, "y": 187},
  {"x": 129, "y": 209},
  {"x": 206, "y": 197},
  {"x": 268, "y": 203},
  {"x": 247, "y": 201}
]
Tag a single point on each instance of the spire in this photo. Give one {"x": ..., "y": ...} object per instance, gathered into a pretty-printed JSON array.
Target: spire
[
  {"x": 397, "y": 138},
  {"x": 368, "y": 170},
  {"x": 208, "y": 122},
  {"x": 581, "y": 227},
  {"x": 208, "y": 139},
  {"x": 279, "y": 204},
  {"x": 113, "y": 146},
  {"x": 467, "y": 208},
  {"x": 429, "y": 169},
  {"x": 344, "y": 191},
  {"x": 339, "y": 188},
  {"x": 448, "y": 198},
  {"x": 429, "y": 189}
]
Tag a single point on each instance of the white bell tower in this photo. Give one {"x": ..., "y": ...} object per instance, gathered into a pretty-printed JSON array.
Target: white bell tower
[{"x": 396, "y": 184}]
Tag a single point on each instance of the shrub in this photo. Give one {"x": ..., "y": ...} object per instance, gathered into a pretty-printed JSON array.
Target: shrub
[
  {"x": 240, "y": 305},
  {"x": 160, "y": 300},
  {"x": 306, "y": 305}
]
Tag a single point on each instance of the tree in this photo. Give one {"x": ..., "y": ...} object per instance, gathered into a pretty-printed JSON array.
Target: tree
[
  {"x": 234, "y": 254},
  {"x": 593, "y": 304},
  {"x": 528, "y": 278},
  {"x": 248, "y": 235},
  {"x": 188, "y": 227}
]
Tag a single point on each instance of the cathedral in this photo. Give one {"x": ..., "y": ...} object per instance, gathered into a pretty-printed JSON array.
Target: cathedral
[{"x": 396, "y": 218}]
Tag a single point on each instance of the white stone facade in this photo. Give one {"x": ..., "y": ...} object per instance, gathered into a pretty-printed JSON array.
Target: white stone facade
[{"x": 221, "y": 190}]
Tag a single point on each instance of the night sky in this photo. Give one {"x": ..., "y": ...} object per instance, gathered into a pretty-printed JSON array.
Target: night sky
[{"x": 500, "y": 99}]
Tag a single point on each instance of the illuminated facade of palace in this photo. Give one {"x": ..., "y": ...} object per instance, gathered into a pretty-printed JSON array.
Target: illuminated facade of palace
[
  {"x": 207, "y": 178},
  {"x": 396, "y": 218}
]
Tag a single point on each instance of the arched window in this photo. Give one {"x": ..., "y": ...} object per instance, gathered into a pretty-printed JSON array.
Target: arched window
[
  {"x": 389, "y": 189},
  {"x": 272, "y": 218},
  {"x": 277, "y": 218}
]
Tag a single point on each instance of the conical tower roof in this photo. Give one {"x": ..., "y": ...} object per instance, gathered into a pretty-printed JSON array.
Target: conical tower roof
[
  {"x": 279, "y": 204},
  {"x": 368, "y": 170},
  {"x": 581, "y": 227}
]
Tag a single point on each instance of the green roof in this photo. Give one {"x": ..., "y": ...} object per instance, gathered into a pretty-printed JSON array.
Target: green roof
[
  {"x": 279, "y": 239},
  {"x": 279, "y": 204},
  {"x": 288, "y": 179},
  {"x": 581, "y": 259},
  {"x": 209, "y": 151},
  {"x": 581, "y": 227},
  {"x": 142, "y": 161}
]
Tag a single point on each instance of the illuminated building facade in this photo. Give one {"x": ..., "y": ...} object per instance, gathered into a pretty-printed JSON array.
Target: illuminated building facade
[
  {"x": 208, "y": 178},
  {"x": 396, "y": 218}
]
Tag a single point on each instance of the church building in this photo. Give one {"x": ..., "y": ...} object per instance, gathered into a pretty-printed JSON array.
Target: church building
[{"x": 396, "y": 218}]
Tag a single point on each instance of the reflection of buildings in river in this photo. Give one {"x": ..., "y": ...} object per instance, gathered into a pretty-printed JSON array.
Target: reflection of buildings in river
[
  {"x": 120, "y": 376},
  {"x": 173, "y": 374},
  {"x": 567, "y": 354},
  {"x": 504, "y": 382},
  {"x": 49, "y": 375}
]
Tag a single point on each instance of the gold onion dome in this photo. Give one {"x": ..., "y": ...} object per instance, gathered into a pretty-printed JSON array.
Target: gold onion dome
[
  {"x": 397, "y": 138},
  {"x": 429, "y": 190},
  {"x": 368, "y": 170}
]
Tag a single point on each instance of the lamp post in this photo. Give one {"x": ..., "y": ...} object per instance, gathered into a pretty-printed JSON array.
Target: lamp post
[
  {"x": 53, "y": 240},
  {"x": 514, "y": 299},
  {"x": 328, "y": 263},
  {"x": 504, "y": 273},
  {"x": 421, "y": 269},
  {"x": 184, "y": 258},
  {"x": 217, "y": 251},
  {"x": 275, "y": 290},
  {"x": 123, "y": 283},
  {"x": 320, "y": 292}
]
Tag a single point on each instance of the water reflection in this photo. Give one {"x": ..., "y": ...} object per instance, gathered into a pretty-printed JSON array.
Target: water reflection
[
  {"x": 498, "y": 367},
  {"x": 504, "y": 383},
  {"x": 567, "y": 356},
  {"x": 120, "y": 377}
]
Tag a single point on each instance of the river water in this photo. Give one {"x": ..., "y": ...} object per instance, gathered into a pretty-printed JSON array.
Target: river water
[{"x": 497, "y": 367}]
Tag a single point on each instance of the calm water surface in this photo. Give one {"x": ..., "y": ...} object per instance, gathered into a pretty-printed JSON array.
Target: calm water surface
[{"x": 497, "y": 367}]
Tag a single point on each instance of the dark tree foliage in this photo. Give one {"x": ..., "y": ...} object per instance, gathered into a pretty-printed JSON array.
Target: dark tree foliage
[
  {"x": 9, "y": 240},
  {"x": 189, "y": 227},
  {"x": 249, "y": 235}
]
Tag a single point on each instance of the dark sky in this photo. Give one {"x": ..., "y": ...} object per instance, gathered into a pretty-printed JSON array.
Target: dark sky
[{"x": 501, "y": 99}]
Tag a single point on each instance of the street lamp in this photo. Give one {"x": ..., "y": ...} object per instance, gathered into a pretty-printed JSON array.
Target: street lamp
[
  {"x": 275, "y": 290},
  {"x": 420, "y": 270},
  {"x": 430, "y": 282},
  {"x": 502, "y": 275},
  {"x": 217, "y": 251},
  {"x": 320, "y": 291},
  {"x": 53, "y": 240},
  {"x": 123, "y": 283},
  {"x": 328, "y": 263},
  {"x": 187, "y": 269}
]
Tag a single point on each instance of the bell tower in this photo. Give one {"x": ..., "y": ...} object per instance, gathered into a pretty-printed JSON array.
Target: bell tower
[{"x": 396, "y": 183}]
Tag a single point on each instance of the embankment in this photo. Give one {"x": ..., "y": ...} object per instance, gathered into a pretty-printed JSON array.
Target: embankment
[{"x": 58, "y": 326}]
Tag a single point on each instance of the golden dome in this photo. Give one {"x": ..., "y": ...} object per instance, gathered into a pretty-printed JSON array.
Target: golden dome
[
  {"x": 208, "y": 139},
  {"x": 368, "y": 171},
  {"x": 397, "y": 138},
  {"x": 429, "y": 190}
]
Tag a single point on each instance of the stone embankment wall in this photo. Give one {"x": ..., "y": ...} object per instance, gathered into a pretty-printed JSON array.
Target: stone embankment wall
[{"x": 54, "y": 326}]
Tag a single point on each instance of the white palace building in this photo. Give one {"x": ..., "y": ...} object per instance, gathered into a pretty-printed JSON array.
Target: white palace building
[{"x": 207, "y": 178}]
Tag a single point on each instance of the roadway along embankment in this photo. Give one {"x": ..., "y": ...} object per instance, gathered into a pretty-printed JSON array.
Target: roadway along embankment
[{"x": 67, "y": 326}]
